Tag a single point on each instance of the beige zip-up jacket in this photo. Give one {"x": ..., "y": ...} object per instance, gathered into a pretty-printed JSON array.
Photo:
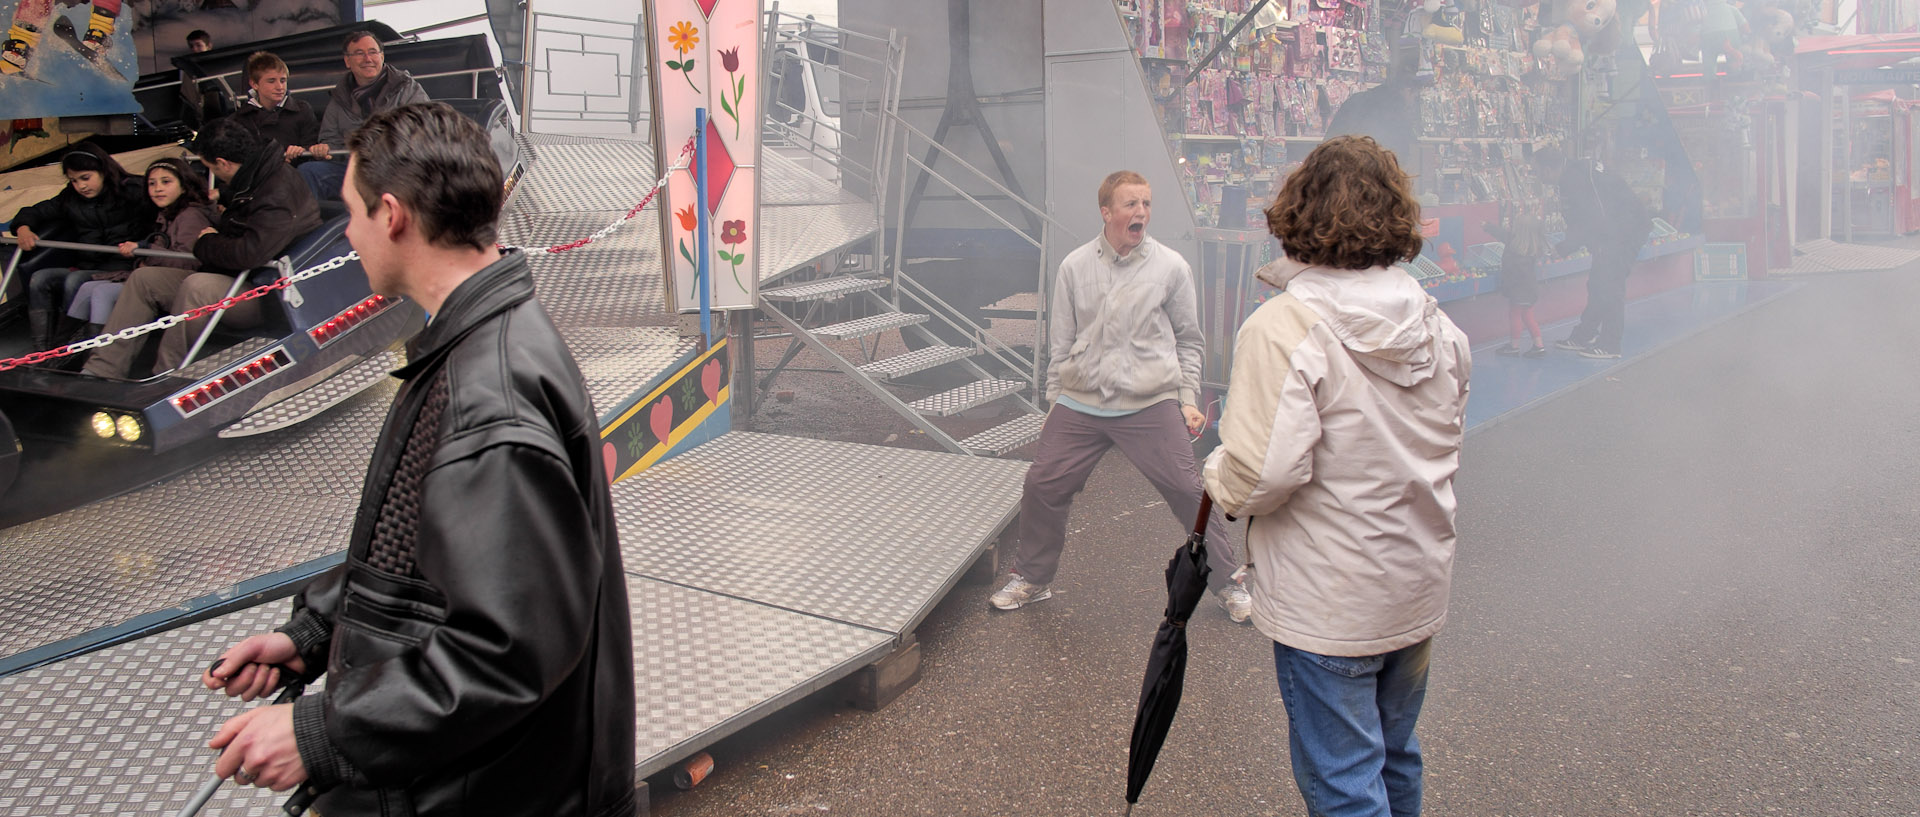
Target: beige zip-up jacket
[
  {"x": 1124, "y": 331},
  {"x": 1340, "y": 439}
]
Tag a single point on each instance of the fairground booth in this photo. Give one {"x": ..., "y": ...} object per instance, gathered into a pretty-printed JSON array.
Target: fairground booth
[{"x": 1245, "y": 89}]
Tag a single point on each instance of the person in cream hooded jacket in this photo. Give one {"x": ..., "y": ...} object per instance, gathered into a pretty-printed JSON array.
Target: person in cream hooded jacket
[{"x": 1340, "y": 440}]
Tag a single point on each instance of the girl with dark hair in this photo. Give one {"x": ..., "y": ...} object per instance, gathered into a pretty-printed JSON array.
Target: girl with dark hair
[
  {"x": 181, "y": 198},
  {"x": 101, "y": 204}
]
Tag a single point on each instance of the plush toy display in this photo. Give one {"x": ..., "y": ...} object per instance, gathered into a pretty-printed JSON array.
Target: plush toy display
[{"x": 1586, "y": 25}]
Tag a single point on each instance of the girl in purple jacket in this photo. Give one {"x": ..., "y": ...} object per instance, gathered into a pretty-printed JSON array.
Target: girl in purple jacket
[{"x": 181, "y": 197}]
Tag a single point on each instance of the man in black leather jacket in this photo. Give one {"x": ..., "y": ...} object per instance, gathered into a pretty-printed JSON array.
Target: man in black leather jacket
[{"x": 476, "y": 643}]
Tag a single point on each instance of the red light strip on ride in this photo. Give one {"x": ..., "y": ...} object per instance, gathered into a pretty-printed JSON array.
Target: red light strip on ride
[
  {"x": 349, "y": 318},
  {"x": 239, "y": 377}
]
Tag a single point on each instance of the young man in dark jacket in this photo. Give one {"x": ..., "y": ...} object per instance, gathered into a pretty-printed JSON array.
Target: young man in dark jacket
[
  {"x": 272, "y": 111},
  {"x": 1603, "y": 215},
  {"x": 266, "y": 209},
  {"x": 476, "y": 643},
  {"x": 368, "y": 87}
]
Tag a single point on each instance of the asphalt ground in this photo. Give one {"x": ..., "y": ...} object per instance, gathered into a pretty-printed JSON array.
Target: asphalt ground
[{"x": 1686, "y": 588}]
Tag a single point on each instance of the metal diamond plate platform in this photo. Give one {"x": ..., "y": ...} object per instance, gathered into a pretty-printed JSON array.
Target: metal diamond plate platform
[
  {"x": 1007, "y": 436},
  {"x": 132, "y": 741},
  {"x": 268, "y": 503},
  {"x": 1825, "y": 255},
  {"x": 310, "y": 403},
  {"x": 704, "y": 666},
  {"x": 707, "y": 664},
  {"x": 949, "y": 403},
  {"x": 619, "y": 362},
  {"x": 583, "y": 184},
  {"x": 863, "y": 534},
  {"x": 870, "y": 325},
  {"x": 918, "y": 360}
]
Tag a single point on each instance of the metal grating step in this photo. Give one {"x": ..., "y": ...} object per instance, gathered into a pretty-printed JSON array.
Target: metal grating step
[
  {"x": 822, "y": 290},
  {"x": 949, "y": 403},
  {"x": 873, "y": 325},
  {"x": 1006, "y": 436},
  {"x": 918, "y": 361}
]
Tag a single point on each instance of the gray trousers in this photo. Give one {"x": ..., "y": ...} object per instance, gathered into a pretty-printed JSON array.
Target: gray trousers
[
  {"x": 1071, "y": 444},
  {"x": 155, "y": 291}
]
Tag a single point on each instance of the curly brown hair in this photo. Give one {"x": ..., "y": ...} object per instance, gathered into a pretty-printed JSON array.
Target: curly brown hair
[{"x": 1350, "y": 206}]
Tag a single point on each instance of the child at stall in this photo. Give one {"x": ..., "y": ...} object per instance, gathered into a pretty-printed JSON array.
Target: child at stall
[
  {"x": 1526, "y": 241},
  {"x": 101, "y": 204},
  {"x": 180, "y": 195}
]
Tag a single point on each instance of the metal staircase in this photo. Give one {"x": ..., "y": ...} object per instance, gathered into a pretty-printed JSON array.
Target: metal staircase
[{"x": 867, "y": 301}]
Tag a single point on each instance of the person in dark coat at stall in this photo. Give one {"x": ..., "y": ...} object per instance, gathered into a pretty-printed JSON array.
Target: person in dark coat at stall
[
  {"x": 1388, "y": 112},
  {"x": 102, "y": 204},
  {"x": 476, "y": 644},
  {"x": 272, "y": 111},
  {"x": 1604, "y": 215},
  {"x": 368, "y": 87},
  {"x": 266, "y": 209}
]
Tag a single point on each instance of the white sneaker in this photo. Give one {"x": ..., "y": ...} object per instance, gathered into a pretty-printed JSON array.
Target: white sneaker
[
  {"x": 1019, "y": 593},
  {"x": 1234, "y": 599}
]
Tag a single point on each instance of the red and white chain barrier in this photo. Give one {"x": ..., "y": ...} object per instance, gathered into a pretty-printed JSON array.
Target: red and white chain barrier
[{"x": 169, "y": 321}]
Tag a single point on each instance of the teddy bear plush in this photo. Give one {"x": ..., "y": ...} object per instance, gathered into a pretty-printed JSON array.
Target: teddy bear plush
[{"x": 1585, "y": 25}]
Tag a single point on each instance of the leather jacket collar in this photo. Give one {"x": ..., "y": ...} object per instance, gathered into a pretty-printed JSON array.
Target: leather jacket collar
[{"x": 496, "y": 288}]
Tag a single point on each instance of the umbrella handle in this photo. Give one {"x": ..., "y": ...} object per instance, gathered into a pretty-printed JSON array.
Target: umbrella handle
[{"x": 1206, "y": 509}]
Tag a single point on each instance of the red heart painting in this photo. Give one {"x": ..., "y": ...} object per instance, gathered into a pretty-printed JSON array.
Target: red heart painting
[
  {"x": 710, "y": 379},
  {"x": 661, "y": 419}
]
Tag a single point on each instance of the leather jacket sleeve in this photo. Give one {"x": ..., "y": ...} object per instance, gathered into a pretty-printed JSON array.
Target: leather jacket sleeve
[{"x": 434, "y": 682}]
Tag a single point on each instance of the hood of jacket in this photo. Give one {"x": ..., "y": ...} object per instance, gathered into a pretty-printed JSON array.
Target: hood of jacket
[{"x": 1381, "y": 315}]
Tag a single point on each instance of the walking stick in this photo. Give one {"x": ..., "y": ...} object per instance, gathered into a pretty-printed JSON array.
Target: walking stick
[{"x": 302, "y": 798}]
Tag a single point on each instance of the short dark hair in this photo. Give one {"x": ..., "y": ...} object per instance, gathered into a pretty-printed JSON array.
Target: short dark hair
[
  {"x": 357, "y": 35},
  {"x": 263, "y": 61},
  {"x": 229, "y": 140},
  {"x": 1350, "y": 206},
  {"x": 200, "y": 35},
  {"x": 438, "y": 163}
]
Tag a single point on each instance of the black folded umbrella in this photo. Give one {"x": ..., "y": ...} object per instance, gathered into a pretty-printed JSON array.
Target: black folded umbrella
[{"x": 1167, "y": 665}]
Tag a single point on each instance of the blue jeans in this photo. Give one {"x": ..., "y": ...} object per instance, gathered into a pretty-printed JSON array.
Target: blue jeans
[
  {"x": 1350, "y": 729},
  {"x": 324, "y": 178},
  {"x": 51, "y": 288}
]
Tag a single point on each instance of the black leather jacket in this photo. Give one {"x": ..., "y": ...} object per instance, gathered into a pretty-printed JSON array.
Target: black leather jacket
[{"x": 476, "y": 642}]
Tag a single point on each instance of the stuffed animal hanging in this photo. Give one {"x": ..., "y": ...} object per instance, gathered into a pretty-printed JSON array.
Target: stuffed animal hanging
[{"x": 1586, "y": 25}]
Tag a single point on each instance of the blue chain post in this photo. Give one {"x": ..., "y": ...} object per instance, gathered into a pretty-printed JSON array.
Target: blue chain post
[{"x": 700, "y": 193}]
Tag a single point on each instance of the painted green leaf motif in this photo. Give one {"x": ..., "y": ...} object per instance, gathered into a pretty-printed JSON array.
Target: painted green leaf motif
[
  {"x": 740, "y": 88},
  {"x": 673, "y": 64},
  {"x": 726, "y": 106},
  {"x": 688, "y": 65}
]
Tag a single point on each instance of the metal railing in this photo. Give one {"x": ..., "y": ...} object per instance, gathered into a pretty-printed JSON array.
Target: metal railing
[
  {"x": 1033, "y": 368},
  {"x": 847, "y": 81}
]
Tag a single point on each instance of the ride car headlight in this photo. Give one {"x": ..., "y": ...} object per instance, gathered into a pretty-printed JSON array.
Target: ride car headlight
[
  {"x": 129, "y": 427},
  {"x": 103, "y": 425}
]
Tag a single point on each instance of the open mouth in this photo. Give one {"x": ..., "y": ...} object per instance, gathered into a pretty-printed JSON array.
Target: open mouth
[{"x": 1136, "y": 228}]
